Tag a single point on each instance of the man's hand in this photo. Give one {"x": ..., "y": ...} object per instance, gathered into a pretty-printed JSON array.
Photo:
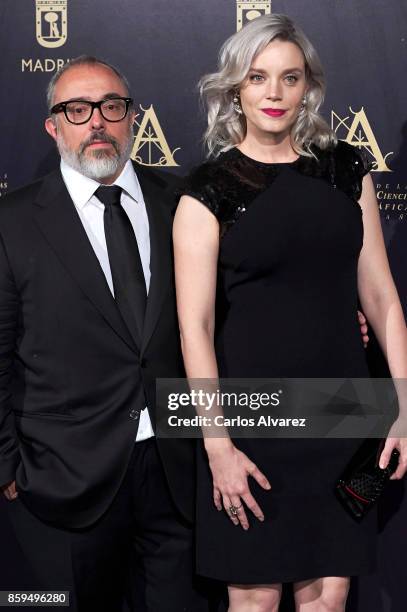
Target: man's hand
[
  {"x": 9, "y": 490},
  {"x": 363, "y": 328}
]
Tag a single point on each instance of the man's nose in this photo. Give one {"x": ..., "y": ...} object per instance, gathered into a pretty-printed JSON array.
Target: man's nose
[{"x": 97, "y": 121}]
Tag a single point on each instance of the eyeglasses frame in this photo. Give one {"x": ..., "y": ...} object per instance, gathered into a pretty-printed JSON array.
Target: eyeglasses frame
[{"x": 61, "y": 108}]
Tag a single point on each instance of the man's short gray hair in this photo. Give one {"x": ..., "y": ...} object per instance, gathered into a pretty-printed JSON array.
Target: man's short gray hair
[{"x": 81, "y": 60}]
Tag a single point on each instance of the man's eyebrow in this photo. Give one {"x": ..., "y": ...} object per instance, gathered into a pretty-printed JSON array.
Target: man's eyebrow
[
  {"x": 113, "y": 94},
  {"x": 107, "y": 96}
]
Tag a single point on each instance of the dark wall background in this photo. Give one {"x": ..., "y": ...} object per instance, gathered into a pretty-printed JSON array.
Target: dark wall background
[{"x": 164, "y": 47}]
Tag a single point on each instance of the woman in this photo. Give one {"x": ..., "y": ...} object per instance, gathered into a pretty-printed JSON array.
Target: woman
[{"x": 272, "y": 226}]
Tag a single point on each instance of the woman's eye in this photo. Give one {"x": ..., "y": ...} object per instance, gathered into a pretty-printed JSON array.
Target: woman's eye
[
  {"x": 291, "y": 79},
  {"x": 256, "y": 78}
]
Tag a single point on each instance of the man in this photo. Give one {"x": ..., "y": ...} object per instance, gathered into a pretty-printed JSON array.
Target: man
[{"x": 87, "y": 323}]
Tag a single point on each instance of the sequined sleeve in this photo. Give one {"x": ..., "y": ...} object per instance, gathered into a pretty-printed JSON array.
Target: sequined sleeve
[
  {"x": 202, "y": 185},
  {"x": 351, "y": 165}
]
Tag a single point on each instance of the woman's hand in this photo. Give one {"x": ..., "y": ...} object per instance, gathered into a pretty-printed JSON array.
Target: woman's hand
[
  {"x": 9, "y": 490},
  {"x": 230, "y": 470},
  {"x": 363, "y": 328},
  {"x": 393, "y": 441}
]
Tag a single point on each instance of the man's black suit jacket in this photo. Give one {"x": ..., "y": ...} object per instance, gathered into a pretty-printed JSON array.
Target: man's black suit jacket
[{"x": 71, "y": 374}]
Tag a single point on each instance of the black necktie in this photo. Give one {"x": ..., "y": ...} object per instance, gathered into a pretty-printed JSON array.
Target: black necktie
[{"x": 124, "y": 257}]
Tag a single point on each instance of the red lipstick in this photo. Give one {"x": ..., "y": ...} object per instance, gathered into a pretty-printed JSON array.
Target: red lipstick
[{"x": 274, "y": 112}]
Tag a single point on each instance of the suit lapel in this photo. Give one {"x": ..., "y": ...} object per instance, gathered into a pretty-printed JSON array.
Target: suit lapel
[
  {"x": 61, "y": 226},
  {"x": 160, "y": 249}
]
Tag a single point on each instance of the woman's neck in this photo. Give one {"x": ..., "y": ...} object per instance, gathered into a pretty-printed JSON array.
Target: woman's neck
[{"x": 268, "y": 150}]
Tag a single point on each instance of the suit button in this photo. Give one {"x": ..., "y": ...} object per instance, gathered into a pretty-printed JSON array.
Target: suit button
[
  {"x": 143, "y": 363},
  {"x": 134, "y": 414}
]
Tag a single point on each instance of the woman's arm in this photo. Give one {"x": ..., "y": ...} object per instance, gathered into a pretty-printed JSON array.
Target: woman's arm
[
  {"x": 196, "y": 248},
  {"x": 381, "y": 305}
]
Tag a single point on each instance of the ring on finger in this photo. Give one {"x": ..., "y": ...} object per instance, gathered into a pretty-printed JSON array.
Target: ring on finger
[{"x": 234, "y": 509}]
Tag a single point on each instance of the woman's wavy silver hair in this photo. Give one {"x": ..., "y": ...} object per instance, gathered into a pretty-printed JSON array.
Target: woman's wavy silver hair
[{"x": 227, "y": 128}]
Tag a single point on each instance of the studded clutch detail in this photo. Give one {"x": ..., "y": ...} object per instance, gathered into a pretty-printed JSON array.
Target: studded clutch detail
[{"x": 363, "y": 481}]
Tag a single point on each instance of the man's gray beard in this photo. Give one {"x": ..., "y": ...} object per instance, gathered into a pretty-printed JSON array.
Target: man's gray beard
[{"x": 100, "y": 164}]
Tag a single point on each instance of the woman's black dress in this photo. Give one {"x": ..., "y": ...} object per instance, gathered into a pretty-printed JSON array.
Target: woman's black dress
[{"x": 291, "y": 235}]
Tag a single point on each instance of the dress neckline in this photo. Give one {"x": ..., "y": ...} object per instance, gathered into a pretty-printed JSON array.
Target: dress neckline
[{"x": 238, "y": 153}]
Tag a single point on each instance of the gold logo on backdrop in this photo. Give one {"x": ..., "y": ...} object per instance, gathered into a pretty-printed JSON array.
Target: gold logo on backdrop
[
  {"x": 42, "y": 65},
  {"x": 150, "y": 145},
  {"x": 247, "y": 11},
  {"x": 358, "y": 132},
  {"x": 51, "y": 22},
  {"x": 392, "y": 198}
]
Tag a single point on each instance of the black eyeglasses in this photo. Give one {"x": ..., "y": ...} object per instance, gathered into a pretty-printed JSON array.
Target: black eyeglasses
[{"x": 80, "y": 111}]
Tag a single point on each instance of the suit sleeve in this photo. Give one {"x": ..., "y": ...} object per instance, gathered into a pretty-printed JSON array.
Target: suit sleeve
[{"x": 9, "y": 447}]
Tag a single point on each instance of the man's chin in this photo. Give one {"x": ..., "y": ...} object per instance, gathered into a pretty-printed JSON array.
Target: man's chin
[
  {"x": 99, "y": 152},
  {"x": 99, "y": 166}
]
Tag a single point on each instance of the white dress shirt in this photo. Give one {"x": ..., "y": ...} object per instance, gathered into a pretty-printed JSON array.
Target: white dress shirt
[{"x": 91, "y": 210}]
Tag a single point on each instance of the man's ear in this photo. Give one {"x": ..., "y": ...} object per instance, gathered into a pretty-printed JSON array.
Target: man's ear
[
  {"x": 51, "y": 127},
  {"x": 133, "y": 115}
]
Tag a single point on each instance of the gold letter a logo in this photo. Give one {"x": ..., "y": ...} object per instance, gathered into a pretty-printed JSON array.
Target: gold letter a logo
[
  {"x": 360, "y": 134},
  {"x": 150, "y": 145}
]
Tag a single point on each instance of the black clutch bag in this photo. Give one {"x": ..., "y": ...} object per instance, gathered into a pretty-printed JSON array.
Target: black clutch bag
[{"x": 363, "y": 481}]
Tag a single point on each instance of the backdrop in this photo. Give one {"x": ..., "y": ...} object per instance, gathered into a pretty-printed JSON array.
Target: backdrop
[{"x": 164, "y": 47}]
